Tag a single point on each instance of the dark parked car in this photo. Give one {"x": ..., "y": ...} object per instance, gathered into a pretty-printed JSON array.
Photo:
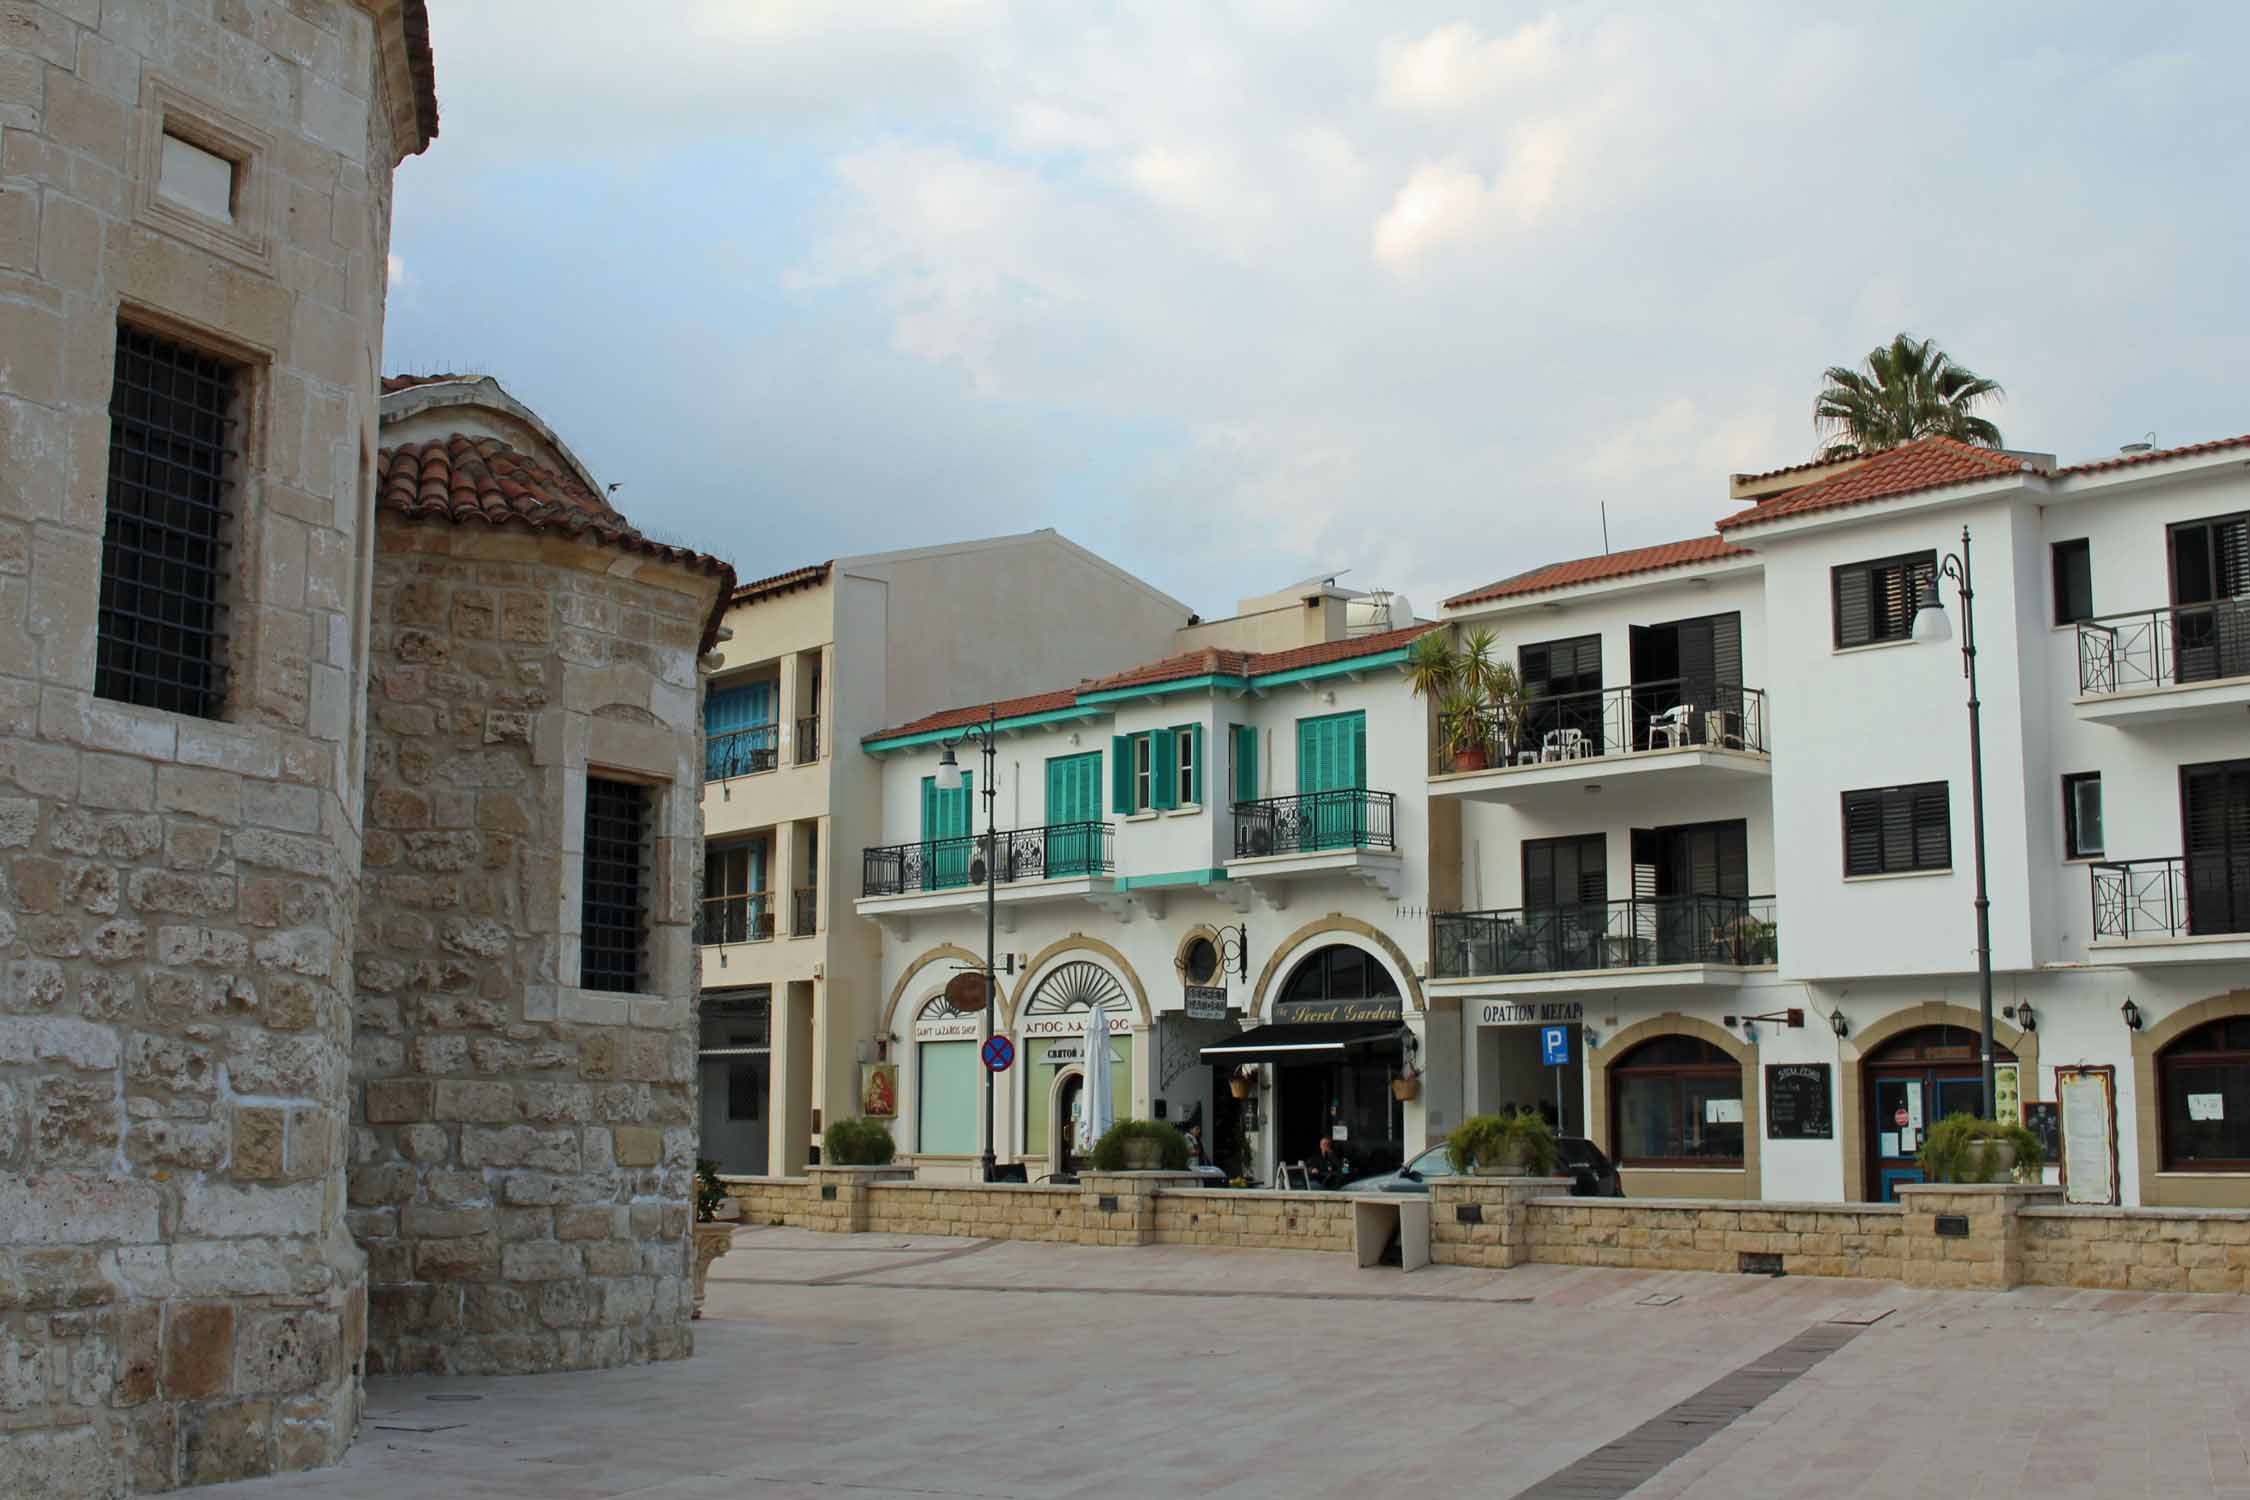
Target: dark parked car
[{"x": 1578, "y": 1161}]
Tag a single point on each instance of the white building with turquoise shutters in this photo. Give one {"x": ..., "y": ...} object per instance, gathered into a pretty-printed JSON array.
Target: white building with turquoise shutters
[{"x": 1227, "y": 849}]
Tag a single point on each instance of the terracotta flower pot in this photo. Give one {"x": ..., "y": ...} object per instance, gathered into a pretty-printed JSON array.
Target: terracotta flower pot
[
  {"x": 1239, "y": 1087},
  {"x": 1470, "y": 760}
]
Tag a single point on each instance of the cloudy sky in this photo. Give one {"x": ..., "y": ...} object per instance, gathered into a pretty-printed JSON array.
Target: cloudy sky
[{"x": 1236, "y": 293}]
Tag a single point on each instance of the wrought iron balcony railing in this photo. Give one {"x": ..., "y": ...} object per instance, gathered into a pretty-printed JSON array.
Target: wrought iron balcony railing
[
  {"x": 1349, "y": 818},
  {"x": 1635, "y": 933},
  {"x": 1053, "y": 852},
  {"x": 2164, "y": 647},
  {"x": 804, "y": 910},
  {"x": 2185, "y": 895},
  {"x": 808, "y": 739},
  {"x": 1670, "y": 714},
  {"x": 740, "y": 752},
  {"x": 734, "y": 919}
]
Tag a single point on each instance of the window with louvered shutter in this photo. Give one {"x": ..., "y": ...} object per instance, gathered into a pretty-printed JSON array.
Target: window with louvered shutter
[
  {"x": 2215, "y": 818},
  {"x": 1894, "y": 830},
  {"x": 1875, "y": 601}
]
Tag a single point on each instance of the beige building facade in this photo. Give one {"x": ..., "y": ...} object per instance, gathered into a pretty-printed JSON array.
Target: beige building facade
[{"x": 814, "y": 660}]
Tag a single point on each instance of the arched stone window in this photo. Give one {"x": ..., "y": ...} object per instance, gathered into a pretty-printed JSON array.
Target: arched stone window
[
  {"x": 1676, "y": 1101},
  {"x": 2203, "y": 1091}
]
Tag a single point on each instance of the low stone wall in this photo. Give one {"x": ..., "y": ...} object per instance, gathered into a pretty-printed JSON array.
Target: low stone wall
[
  {"x": 1002, "y": 1212},
  {"x": 1679, "y": 1234},
  {"x": 1254, "y": 1220},
  {"x": 2138, "y": 1249},
  {"x": 1936, "y": 1236}
]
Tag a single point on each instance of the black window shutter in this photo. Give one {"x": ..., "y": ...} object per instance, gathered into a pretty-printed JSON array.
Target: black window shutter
[
  {"x": 1933, "y": 827},
  {"x": 1898, "y": 828},
  {"x": 1538, "y": 875},
  {"x": 1535, "y": 671},
  {"x": 1854, "y": 606},
  {"x": 1593, "y": 869},
  {"x": 2231, "y": 554},
  {"x": 1726, "y": 650}
]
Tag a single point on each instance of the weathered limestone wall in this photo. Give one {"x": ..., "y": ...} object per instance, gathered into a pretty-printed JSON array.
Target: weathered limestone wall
[
  {"x": 1254, "y": 1220},
  {"x": 1866, "y": 1239},
  {"x": 179, "y": 1299},
  {"x": 2138, "y": 1249},
  {"x": 523, "y": 1150}
]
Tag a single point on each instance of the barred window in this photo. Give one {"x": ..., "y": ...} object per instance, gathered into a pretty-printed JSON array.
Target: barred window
[
  {"x": 171, "y": 427},
  {"x": 613, "y": 913}
]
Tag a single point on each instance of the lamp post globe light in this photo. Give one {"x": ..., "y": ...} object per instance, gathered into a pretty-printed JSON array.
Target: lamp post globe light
[
  {"x": 948, "y": 779},
  {"x": 1932, "y": 628}
]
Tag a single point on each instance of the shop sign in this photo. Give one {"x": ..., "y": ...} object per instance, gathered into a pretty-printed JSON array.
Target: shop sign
[
  {"x": 947, "y": 1029},
  {"x": 1305, "y": 1012},
  {"x": 1530, "y": 1012},
  {"x": 1206, "y": 1002},
  {"x": 1071, "y": 1053},
  {"x": 1072, "y": 1024}
]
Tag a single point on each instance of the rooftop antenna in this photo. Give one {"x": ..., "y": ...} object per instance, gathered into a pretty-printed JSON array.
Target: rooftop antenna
[
  {"x": 1605, "y": 528},
  {"x": 2143, "y": 446}
]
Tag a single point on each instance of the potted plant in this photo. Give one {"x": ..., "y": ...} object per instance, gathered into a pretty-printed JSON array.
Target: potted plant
[
  {"x": 1141, "y": 1146},
  {"x": 714, "y": 1234},
  {"x": 1480, "y": 702},
  {"x": 1502, "y": 1145},
  {"x": 1962, "y": 1148},
  {"x": 1240, "y": 1082},
  {"x": 857, "y": 1142}
]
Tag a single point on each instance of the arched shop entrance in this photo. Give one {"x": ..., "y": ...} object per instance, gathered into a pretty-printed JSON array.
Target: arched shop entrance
[
  {"x": 1336, "y": 1040},
  {"x": 945, "y": 1080},
  {"x": 1908, "y": 1084},
  {"x": 1052, "y": 1031}
]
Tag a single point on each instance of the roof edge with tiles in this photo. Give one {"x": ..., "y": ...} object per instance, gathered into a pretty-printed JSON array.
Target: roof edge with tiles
[
  {"x": 810, "y": 576},
  {"x": 1606, "y": 567},
  {"x": 2153, "y": 456},
  {"x": 1920, "y": 467}
]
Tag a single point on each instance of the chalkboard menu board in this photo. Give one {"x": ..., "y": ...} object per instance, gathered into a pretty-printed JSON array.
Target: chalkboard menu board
[
  {"x": 1797, "y": 1107},
  {"x": 2043, "y": 1118}
]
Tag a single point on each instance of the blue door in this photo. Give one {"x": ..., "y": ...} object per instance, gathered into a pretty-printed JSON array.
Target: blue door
[{"x": 1903, "y": 1106}]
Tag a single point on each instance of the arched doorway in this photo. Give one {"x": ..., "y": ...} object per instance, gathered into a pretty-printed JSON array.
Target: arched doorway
[
  {"x": 1908, "y": 1084},
  {"x": 1337, "y": 1041},
  {"x": 1052, "y": 1031},
  {"x": 2203, "y": 1099}
]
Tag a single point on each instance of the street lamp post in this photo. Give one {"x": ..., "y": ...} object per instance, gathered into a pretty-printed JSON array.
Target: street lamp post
[
  {"x": 949, "y": 780},
  {"x": 1930, "y": 626}
]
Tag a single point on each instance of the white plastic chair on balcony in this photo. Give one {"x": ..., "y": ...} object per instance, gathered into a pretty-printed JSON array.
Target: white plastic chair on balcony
[
  {"x": 1670, "y": 726},
  {"x": 1563, "y": 744}
]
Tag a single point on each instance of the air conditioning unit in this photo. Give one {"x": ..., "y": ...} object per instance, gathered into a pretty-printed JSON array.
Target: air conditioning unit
[{"x": 1261, "y": 841}]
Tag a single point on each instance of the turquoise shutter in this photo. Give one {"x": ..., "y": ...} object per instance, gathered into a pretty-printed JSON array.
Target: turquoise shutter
[
  {"x": 1121, "y": 775},
  {"x": 1195, "y": 780},
  {"x": 1357, "y": 741},
  {"x": 1163, "y": 769},
  {"x": 1245, "y": 737}
]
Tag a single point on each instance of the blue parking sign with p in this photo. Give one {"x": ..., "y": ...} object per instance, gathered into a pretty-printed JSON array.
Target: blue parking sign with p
[{"x": 1554, "y": 1045}]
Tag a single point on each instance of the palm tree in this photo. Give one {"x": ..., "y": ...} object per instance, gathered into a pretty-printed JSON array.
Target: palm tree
[{"x": 1903, "y": 390}]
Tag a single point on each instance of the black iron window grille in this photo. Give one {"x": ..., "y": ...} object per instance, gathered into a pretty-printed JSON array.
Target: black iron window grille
[
  {"x": 613, "y": 913},
  {"x": 161, "y": 639}
]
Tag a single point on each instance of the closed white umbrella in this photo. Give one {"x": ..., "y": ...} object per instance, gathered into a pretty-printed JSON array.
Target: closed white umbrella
[{"x": 1095, "y": 1108}]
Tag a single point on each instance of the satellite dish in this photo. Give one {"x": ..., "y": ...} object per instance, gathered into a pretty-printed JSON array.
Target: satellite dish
[{"x": 1402, "y": 612}]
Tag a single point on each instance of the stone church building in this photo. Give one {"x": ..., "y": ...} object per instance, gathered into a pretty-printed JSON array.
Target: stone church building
[{"x": 349, "y": 774}]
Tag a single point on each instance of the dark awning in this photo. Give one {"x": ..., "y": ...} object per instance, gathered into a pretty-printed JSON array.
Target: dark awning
[{"x": 1302, "y": 1041}]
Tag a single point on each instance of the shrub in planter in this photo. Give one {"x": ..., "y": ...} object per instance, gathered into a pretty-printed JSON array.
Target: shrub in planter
[
  {"x": 1141, "y": 1146},
  {"x": 1962, "y": 1148},
  {"x": 857, "y": 1142},
  {"x": 1521, "y": 1142},
  {"x": 710, "y": 1193}
]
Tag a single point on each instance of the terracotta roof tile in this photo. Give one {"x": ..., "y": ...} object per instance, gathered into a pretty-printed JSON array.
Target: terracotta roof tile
[
  {"x": 962, "y": 718},
  {"x": 782, "y": 583},
  {"x": 465, "y": 477},
  {"x": 1930, "y": 463},
  {"x": 414, "y": 16},
  {"x": 2159, "y": 455},
  {"x": 1208, "y": 662},
  {"x": 1564, "y": 575},
  {"x": 395, "y": 383}
]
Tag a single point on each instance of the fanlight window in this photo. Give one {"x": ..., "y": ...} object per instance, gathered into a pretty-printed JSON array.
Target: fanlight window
[{"x": 1076, "y": 986}]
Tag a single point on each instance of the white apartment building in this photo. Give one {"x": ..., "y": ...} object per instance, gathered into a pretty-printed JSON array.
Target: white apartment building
[
  {"x": 1727, "y": 850},
  {"x": 1224, "y": 848},
  {"x": 1731, "y": 849},
  {"x": 817, "y": 658}
]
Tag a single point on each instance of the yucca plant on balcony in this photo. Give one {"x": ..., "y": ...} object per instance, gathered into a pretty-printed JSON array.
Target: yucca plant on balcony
[{"x": 1479, "y": 699}]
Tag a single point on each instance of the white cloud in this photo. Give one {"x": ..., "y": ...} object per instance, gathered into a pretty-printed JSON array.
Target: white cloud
[
  {"x": 1455, "y": 66},
  {"x": 1441, "y": 204}
]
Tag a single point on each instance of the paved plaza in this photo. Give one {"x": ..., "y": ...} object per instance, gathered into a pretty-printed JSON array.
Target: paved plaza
[{"x": 877, "y": 1366}]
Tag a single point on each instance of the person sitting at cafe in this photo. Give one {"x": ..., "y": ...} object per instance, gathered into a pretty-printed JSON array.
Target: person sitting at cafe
[{"x": 1329, "y": 1168}]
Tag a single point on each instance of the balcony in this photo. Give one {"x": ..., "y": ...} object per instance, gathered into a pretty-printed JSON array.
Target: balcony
[
  {"x": 2156, "y": 665},
  {"x": 1349, "y": 831},
  {"x": 1695, "y": 734},
  {"x": 808, "y": 739},
  {"x": 734, "y": 919},
  {"x": 2191, "y": 908},
  {"x": 741, "y": 752},
  {"x": 1644, "y": 942},
  {"x": 804, "y": 911},
  {"x": 1062, "y": 861}
]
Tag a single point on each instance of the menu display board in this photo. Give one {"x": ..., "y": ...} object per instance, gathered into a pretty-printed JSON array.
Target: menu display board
[
  {"x": 1797, "y": 1102},
  {"x": 2089, "y": 1127}
]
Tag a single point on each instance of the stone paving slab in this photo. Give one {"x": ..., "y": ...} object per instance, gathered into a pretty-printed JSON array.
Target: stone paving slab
[{"x": 888, "y": 1366}]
